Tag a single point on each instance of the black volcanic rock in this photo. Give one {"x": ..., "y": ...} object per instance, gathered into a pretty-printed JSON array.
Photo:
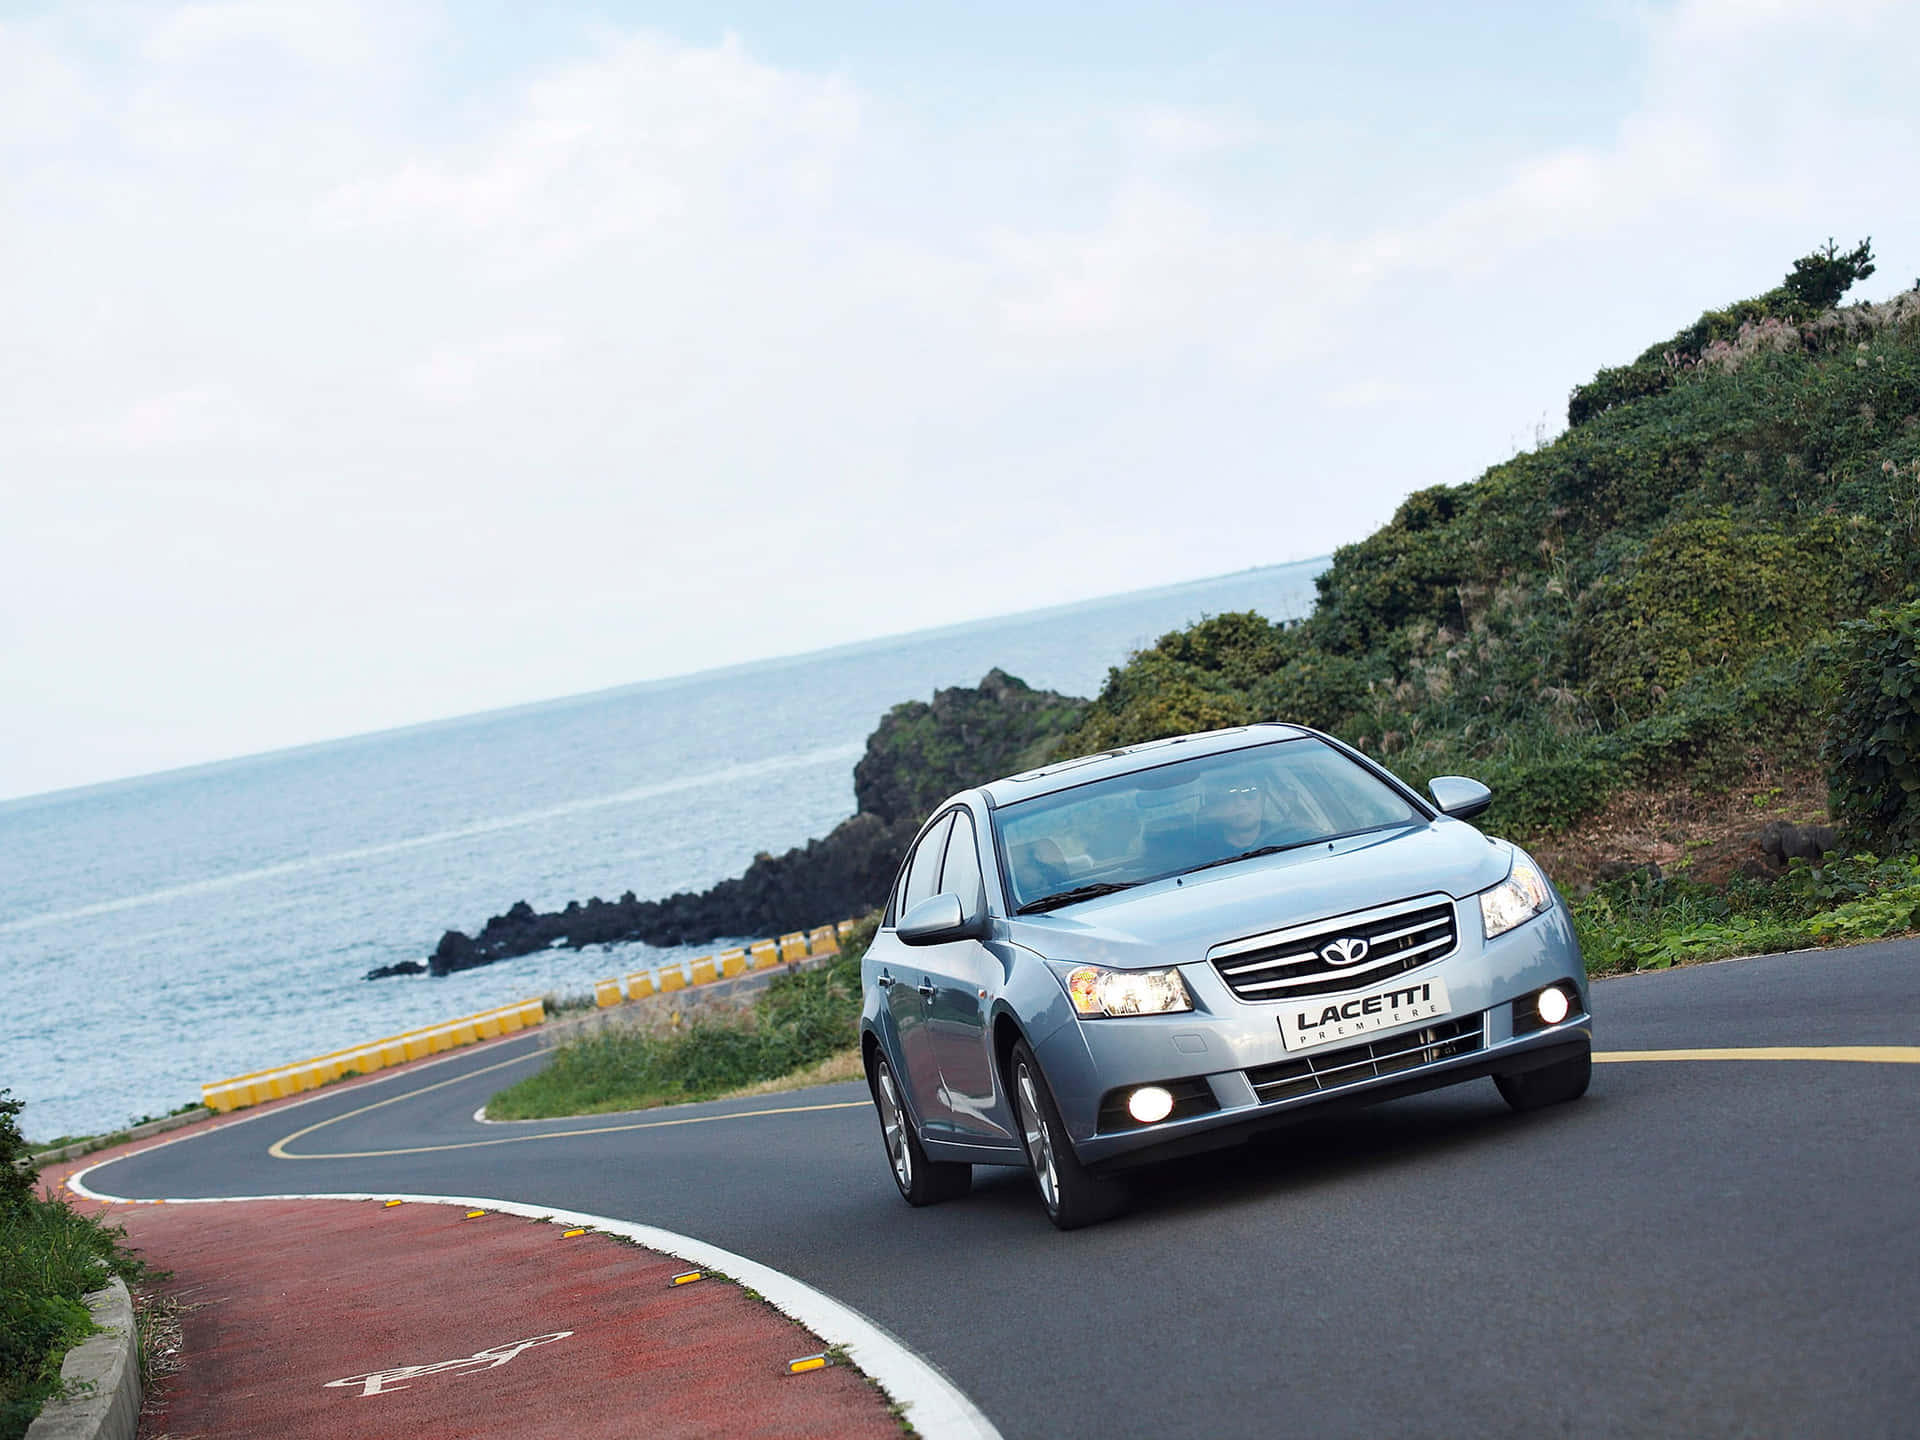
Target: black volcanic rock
[
  {"x": 399, "y": 967},
  {"x": 918, "y": 755}
]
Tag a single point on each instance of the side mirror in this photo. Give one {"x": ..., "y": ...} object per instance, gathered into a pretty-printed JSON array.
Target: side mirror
[
  {"x": 938, "y": 919},
  {"x": 1460, "y": 797}
]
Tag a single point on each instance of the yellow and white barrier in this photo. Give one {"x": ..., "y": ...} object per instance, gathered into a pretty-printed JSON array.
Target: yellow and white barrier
[
  {"x": 766, "y": 954},
  {"x": 607, "y": 992},
  {"x": 239, "y": 1091}
]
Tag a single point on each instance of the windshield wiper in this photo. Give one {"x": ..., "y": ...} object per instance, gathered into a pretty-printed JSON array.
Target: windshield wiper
[
  {"x": 1073, "y": 896},
  {"x": 1254, "y": 854}
]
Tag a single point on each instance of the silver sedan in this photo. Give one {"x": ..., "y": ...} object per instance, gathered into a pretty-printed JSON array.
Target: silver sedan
[{"x": 1163, "y": 949}]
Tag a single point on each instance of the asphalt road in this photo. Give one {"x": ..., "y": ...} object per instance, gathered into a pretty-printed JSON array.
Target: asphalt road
[{"x": 1695, "y": 1248}]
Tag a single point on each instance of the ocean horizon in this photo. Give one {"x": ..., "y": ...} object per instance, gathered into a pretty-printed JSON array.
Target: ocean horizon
[{"x": 175, "y": 927}]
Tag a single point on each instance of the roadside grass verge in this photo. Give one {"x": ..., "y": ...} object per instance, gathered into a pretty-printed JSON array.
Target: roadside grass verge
[
  {"x": 798, "y": 1032},
  {"x": 1641, "y": 923},
  {"x": 50, "y": 1258}
]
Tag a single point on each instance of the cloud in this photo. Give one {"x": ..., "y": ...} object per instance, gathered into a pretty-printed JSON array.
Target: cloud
[{"x": 333, "y": 378}]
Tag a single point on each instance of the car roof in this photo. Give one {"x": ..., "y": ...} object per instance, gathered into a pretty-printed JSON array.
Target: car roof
[{"x": 1065, "y": 774}]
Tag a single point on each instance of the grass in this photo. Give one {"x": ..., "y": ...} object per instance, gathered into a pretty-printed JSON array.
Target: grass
[
  {"x": 1652, "y": 924},
  {"x": 50, "y": 1258},
  {"x": 801, "y": 1030}
]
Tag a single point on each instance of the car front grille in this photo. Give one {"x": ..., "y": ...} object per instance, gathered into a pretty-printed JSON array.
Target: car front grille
[
  {"x": 1313, "y": 1073},
  {"x": 1293, "y": 964}
]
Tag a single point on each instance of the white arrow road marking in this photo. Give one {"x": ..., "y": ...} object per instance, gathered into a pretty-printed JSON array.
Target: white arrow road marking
[{"x": 379, "y": 1382}]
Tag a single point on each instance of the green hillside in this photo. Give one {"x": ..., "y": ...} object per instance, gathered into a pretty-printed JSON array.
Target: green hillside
[{"x": 1650, "y": 601}]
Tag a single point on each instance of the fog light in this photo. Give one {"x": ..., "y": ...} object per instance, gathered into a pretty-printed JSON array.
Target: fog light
[
  {"x": 1553, "y": 1005},
  {"x": 1150, "y": 1104}
]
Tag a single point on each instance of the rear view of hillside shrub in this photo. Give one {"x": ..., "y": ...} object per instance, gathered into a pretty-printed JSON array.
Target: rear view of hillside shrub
[{"x": 1872, "y": 746}]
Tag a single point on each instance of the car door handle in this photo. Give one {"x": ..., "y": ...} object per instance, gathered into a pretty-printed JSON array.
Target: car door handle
[
  {"x": 925, "y": 988},
  {"x": 883, "y": 980}
]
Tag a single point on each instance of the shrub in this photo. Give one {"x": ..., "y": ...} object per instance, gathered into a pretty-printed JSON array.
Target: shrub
[
  {"x": 50, "y": 1258},
  {"x": 18, "y": 1174},
  {"x": 1872, "y": 747}
]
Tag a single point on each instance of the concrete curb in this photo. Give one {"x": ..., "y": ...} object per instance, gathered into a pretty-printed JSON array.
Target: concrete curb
[
  {"x": 121, "y": 1137},
  {"x": 102, "y": 1374}
]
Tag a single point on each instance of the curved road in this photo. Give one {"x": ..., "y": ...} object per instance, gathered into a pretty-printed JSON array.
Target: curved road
[{"x": 1699, "y": 1247}]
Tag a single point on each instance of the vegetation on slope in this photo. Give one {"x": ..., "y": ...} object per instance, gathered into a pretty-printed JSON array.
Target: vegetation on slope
[
  {"x": 50, "y": 1258},
  {"x": 1653, "y": 600}
]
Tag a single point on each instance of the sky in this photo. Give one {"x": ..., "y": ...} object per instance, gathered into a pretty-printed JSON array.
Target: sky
[{"x": 366, "y": 364}]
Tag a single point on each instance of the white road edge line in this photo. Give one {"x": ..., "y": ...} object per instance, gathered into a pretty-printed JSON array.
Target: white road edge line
[{"x": 935, "y": 1406}]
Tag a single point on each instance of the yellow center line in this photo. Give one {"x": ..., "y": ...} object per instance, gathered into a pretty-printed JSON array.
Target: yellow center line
[
  {"x": 1867, "y": 1054},
  {"x": 279, "y": 1149}
]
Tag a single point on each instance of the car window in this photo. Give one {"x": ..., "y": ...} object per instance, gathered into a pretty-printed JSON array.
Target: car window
[
  {"x": 961, "y": 874},
  {"x": 1168, "y": 819},
  {"x": 923, "y": 871}
]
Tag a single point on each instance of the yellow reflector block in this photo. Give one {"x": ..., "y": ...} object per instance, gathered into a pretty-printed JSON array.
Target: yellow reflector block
[
  {"x": 390, "y": 1204},
  {"x": 475, "y": 1214},
  {"x": 704, "y": 972},
  {"x": 568, "y": 1235},
  {"x": 687, "y": 1277},
  {"x": 806, "y": 1363}
]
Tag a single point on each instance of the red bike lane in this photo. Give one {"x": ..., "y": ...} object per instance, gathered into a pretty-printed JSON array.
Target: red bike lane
[{"x": 348, "y": 1319}]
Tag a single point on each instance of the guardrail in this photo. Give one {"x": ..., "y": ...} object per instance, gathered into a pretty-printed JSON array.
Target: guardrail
[
  {"x": 706, "y": 969},
  {"x": 239, "y": 1091}
]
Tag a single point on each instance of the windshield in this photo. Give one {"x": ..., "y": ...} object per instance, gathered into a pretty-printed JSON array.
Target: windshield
[{"x": 1110, "y": 834}]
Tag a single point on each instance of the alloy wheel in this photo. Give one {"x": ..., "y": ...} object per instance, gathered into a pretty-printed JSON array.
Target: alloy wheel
[
  {"x": 1033, "y": 1126},
  {"x": 893, "y": 1128}
]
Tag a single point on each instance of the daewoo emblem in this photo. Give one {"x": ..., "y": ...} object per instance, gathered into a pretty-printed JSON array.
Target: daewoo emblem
[{"x": 1350, "y": 951}]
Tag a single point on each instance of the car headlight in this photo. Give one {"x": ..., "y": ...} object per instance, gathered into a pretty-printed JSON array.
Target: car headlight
[
  {"x": 1518, "y": 898},
  {"x": 1126, "y": 992}
]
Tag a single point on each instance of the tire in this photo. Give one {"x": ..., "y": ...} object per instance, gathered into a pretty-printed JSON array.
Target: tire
[
  {"x": 1072, "y": 1195},
  {"x": 921, "y": 1181},
  {"x": 1549, "y": 1085}
]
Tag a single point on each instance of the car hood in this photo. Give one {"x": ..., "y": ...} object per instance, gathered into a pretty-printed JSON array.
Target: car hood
[{"x": 1169, "y": 922}]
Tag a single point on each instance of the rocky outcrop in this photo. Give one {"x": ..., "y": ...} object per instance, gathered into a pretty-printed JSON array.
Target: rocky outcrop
[
  {"x": 919, "y": 754},
  {"x": 399, "y": 967},
  {"x": 922, "y": 753}
]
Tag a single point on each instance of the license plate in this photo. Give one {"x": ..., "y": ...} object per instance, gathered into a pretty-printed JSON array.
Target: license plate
[{"x": 1328, "y": 1018}]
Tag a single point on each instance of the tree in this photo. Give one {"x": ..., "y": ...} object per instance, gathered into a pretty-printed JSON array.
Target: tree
[{"x": 1820, "y": 279}]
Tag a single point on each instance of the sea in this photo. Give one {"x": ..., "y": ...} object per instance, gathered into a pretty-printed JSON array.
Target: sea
[{"x": 177, "y": 928}]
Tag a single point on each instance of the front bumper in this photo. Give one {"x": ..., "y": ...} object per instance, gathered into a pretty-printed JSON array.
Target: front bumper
[{"x": 1225, "y": 1038}]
